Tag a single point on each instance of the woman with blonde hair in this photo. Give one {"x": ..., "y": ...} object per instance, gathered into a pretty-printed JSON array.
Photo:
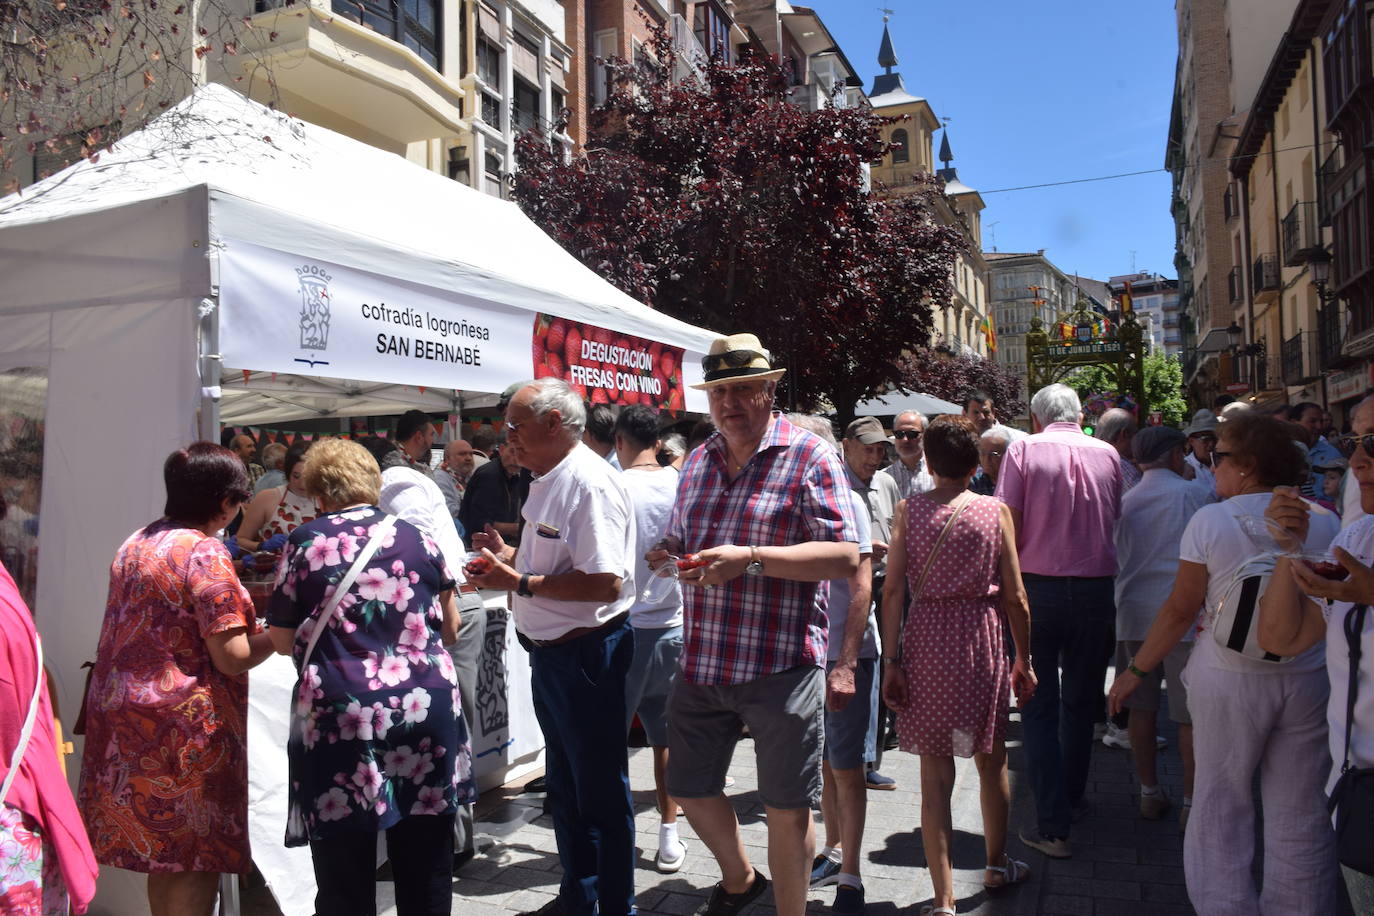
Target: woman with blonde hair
[{"x": 364, "y": 604}]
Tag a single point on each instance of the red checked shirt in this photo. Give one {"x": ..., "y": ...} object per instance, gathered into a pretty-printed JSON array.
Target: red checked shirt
[{"x": 792, "y": 491}]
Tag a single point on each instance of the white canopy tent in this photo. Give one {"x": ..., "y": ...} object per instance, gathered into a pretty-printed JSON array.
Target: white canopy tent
[{"x": 231, "y": 264}]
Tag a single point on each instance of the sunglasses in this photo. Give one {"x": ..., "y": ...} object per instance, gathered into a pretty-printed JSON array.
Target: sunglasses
[
  {"x": 913, "y": 434},
  {"x": 1350, "y": 443},
  {"x": 1218, "y": 456},
  {"x": 730, "y": 359}
]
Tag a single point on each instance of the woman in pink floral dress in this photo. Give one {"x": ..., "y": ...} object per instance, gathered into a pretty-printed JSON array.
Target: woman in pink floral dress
[
  {"x": 950, "y": 682},
  {"x": 378, "y": 742}
]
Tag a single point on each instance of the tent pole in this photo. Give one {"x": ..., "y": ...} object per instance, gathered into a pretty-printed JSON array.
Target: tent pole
[{"x": 207, "y": 332}]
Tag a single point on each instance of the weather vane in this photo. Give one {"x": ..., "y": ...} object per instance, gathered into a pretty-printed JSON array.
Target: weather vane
[{"x": 887, "y": 13}]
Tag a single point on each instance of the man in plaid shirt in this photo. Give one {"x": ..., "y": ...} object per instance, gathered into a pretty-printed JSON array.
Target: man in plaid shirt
[{"x": 765, "y": 508}]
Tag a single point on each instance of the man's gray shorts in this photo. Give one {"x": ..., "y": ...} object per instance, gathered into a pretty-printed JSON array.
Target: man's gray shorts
[
  {"x": 1146, "y": 696},
  {"x": 846, "y": 731},
  {"x": 785, "y": 716}
]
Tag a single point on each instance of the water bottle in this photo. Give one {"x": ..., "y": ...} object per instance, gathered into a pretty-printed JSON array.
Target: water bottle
[{"x": 662, "y": 583}]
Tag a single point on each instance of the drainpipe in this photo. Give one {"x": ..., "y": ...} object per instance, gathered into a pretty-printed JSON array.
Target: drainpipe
[
  {"x": 1278, "y": 246},
  {"x": 1317, "y": 162},
  {"x": 1247, "y": 265}
]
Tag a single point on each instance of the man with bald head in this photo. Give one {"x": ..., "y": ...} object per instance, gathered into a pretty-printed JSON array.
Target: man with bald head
[
  {"x": 452, "y": 476},
  {"x": 992, "y": 445},
  {"x": 247, "y": 450}
]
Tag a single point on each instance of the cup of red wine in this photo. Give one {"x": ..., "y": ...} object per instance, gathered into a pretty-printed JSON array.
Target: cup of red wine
[{"x": 1327, "y": 570}]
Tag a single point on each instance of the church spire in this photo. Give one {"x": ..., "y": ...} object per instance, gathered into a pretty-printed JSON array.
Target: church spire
[
  {"x": 887, "y": 57},
  {"x": 948, "y": 173}
]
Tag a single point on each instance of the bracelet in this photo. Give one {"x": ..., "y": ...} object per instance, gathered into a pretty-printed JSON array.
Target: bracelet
[
  {"x": 1136, "y": 671},
  {"x": 892, "y": 659}
]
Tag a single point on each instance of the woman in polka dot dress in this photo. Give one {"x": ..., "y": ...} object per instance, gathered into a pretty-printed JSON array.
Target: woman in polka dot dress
[{"x": 950, "y": 683}]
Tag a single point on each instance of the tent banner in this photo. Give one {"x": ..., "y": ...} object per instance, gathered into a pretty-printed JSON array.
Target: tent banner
[
  {"x": 608, "y": 367},
  {"x": 286, "y": 313}
]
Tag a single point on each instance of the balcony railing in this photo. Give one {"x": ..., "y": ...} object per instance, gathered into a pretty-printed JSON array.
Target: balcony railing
[
  {"x": 1228, "y": 203},
  {"x": 1235, "y": 285},
  {"x": 1292, "y": 360},
  {"x": 1301, "y": 233},
  {"x": 1328, "y": 335},
  {"x": 1264, "y": 275},
  {"x": 688, "y": 47}
]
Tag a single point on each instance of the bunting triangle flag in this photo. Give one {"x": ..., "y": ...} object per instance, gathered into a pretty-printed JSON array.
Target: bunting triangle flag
[
  {"x": 309, "y": 437},
  {"x": 246, "y": 373},
  {"x": 381, "y": 434}
]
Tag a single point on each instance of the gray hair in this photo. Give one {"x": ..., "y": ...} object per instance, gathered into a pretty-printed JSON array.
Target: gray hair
[
  {"x": 674, "y": 444},
  {"x": 1113, "y": 423},
  {"x": 910, "y": 413},
  {"x": 1056, "y": 404},
  {"x": 556, "y": 394},
  {"x": 814, "y": 424},
  {"x": 274, "y": 456},
  {"x": 997, "y": 431}
]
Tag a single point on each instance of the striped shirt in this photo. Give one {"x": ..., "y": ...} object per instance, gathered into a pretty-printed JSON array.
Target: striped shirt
[{"x": 792, "y": 491}]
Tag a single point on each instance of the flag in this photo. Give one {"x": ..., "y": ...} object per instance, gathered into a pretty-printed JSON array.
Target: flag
[
  {"x": 1127, "y": 301},
  {"x": 989, "y": 333}
]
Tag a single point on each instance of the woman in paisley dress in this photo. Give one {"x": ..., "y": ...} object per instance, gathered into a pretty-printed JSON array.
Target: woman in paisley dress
[
  {"x": 164, "y": 775},
  {"x": 378, "y": 742},
  {"x": 277, "y": 511}
]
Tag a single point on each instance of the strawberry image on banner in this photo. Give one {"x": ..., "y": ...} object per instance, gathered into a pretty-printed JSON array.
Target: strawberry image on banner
[{"x": 608, "y": 367}]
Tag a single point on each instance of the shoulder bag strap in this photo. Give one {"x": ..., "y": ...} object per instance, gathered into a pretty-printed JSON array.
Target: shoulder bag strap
[
  {"x": 1354, "y": 630},
  {"x": 327, "y": 610},
  {"x": 27, "y": 731},
  {"x": 939, "y": 542}
]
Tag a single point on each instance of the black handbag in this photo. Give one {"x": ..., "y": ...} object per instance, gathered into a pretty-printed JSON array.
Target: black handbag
[{"x": 1352, "y": 798}]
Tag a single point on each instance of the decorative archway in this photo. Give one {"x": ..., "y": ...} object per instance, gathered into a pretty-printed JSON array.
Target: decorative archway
[{"x": 1083, "y": 337}]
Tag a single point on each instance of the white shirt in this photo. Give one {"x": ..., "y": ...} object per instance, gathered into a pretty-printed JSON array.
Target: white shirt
[
  {"x": 1154, "y": 515},
  {"x": 1351, "y": 510},
  {"x": 838, "y": 609},
  {"x": 578, "y": 517},
  {"x": 1205, "y": 478},
  {"x": 652, "y": 494},
  {"x": 1214, "y": 538},
  {"x": 1358, "y": 540},
  {"x": 413, "y": 497}
]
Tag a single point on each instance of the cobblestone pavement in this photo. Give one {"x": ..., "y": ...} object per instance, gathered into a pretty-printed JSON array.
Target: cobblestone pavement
[{"x": 1122, "y": 865}]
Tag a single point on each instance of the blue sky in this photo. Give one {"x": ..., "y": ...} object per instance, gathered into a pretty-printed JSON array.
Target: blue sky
[{"x": 1037, "y": 93}]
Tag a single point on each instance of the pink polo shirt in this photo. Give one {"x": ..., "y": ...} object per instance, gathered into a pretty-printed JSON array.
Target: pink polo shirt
[{"x": 1067, "y": 487}]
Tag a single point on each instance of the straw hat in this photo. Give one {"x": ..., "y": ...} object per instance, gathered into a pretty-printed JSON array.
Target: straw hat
[
  {"x": 1204, "y": 421},
  {"x": 737, "y": 357}
]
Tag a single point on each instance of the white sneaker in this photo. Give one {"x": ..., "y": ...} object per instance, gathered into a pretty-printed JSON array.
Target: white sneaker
[
  {"x": 671, "y": 859},
  {"x": 1117, "y": 737}
]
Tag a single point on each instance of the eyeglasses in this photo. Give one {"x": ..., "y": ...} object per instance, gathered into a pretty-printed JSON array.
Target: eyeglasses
[
  {"x": 730, "y": 359},
  {"x": 1205, "y": 438},
  {"x": 994, "y": 454},
  {"x": 1218, "y": 456},
  {"x": 1350, "y": 443},
  {"x": 913, "y": 434},
  {"x": 513, "y": 427}
]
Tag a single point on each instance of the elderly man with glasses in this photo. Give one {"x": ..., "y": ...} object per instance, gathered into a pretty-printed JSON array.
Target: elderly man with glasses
[
  {"x": 909, "y": 470},
  {"x": 763, "y": 519}
]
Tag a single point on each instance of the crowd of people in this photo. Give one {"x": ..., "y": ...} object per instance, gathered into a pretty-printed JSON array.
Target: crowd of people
[{"x": 755, "y": 577}]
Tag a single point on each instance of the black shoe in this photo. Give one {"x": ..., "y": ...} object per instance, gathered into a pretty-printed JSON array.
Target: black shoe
[
  {"x": 461, "y": 858},
  {"x": 536, "y": 785},
  {"x": 721, "y": 903},
  {"x": 890, "y": 742}
]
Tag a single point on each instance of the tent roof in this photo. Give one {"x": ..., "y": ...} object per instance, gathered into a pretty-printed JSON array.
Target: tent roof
[{"x": 895, "y": 402}]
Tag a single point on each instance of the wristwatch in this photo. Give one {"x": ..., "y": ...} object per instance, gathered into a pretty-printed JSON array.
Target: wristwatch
[
  {"x": 755, "y": 567},
  {"x": 523, "y": 589}
]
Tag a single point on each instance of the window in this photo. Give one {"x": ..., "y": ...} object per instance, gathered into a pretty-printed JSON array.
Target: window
[
  {"x": 491, "y": 109},
  {"x": 525, "y": 111},
  {"x": 414, "y": 23},
  {"x": 712, "y": 28},
  {"x": 488, "y": 62},
  {"x": 901, "y": 147}
]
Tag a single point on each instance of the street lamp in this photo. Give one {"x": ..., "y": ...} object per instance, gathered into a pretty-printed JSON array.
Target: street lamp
[
  {"x": 1319, "y": 262},
  {"x": 1233, "y": 335}
]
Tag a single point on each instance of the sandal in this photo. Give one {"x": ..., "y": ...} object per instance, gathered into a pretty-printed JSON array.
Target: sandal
[
  {"x": 1011, "y": 870},
  {"x": 931, "y": 909}
]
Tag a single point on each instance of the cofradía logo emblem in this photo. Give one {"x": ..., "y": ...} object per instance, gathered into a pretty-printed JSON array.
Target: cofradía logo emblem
[{"x": 314, "y": 318}]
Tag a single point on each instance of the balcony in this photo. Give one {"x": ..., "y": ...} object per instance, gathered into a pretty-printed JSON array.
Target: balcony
[
  {"x": 351, "y": 76},
  {"x": 1329, "y": 335},
  {"x": 1229, "y": 205},
  {"x": 691, "y": 56},
  {"x": 1301, "y": 233},
  {"x": 1296, "y": 368},
  {"x": 1264, "y": 278},
  {"x": 1235, "y": 285}
]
